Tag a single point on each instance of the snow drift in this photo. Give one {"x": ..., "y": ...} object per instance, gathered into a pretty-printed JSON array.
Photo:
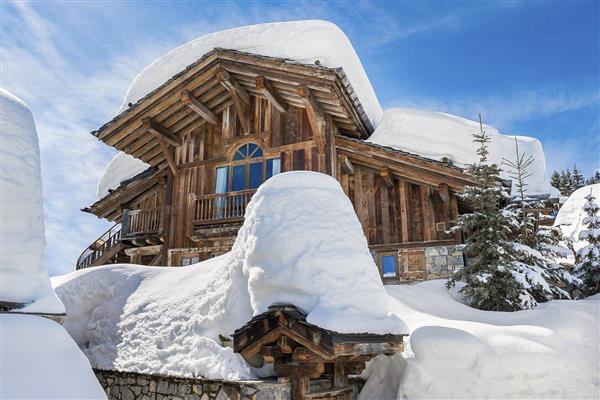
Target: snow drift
[
  {"x": 23, "y": 276},
  {"x": 301, "y": 243},
  {"x": 437, "y": 135},
  {"x": 41, "y": 361},
  {"x": 459, "y": 352},
  {"x": 119, "y": 169},
  {"x": 570, "y": 216},
  {"x": 301, "y": 41}
]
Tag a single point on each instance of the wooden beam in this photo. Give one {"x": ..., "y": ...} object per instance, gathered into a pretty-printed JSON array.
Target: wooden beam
[
  {"x": 241, "y": 98},
  {"x": 194, "y": 104},
  {"x": 386, "y": 176},
  {"x": 167, "y": 153},
  {"x": 232, "y": 85},
  {"x": 263, "y": 86},
  {"x": 316, "y": 117},
  {"x": 346, "y": 165},
  {"x": 144, "y": 251},
  {"x": 444, "y": 192},
  {"x": 402, "y": 193},
  {"x": 150, "y": 125}
]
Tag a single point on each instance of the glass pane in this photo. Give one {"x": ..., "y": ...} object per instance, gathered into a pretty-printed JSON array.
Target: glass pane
[
  {"x": 255, "y": 175},
  {"x": 241, "y": 153},
  {"x": 273, "y": 167},
  {"x": 221, "y": 181},
  {"x": 254, "y": 151},
  {"x": 185, "y": 261},
  {"x": 238, "y": 181},
  {"x": 388, "y": 266}
]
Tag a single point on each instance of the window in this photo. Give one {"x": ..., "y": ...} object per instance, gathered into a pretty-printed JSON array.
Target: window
[
  {"x": 188, "y": 260},
  {"x": 248, "y": 169},
  {"x": 388, "y": 265}
]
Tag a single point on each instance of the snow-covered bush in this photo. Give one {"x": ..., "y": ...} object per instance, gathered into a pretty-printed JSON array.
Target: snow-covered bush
[{"x": 588, "y": 257}]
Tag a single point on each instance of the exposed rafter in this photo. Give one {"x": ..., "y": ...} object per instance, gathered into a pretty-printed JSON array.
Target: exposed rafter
[
  {"x": 316, "y": 117},
  {"x": 161, "y": 132},
  {"x": 194, "y": 104},
  {"x": 263, "y": 85},
  {"x": 241, "y": 98},
  {"x": 386, "y": 176},
  {"x": 346, "y": 165}
]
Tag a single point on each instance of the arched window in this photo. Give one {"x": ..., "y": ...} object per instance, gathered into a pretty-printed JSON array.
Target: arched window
[{"x": 247, "y": 169}]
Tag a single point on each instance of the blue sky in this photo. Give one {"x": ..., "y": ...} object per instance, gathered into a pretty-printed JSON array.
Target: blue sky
[{"x": 530, "y": 68}]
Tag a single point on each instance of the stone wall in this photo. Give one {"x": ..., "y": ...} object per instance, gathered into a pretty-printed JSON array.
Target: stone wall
[
  {"x": 441, "y": 261},
  {"x": 134, "y": 386}
]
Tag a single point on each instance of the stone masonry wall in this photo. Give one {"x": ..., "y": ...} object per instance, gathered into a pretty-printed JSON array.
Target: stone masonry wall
[
  {"x": 134, "y": 386},
  {"x": 441, "y": 261}
]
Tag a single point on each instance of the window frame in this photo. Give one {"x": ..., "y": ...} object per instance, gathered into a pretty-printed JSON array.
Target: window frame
[
  {"x": 396, "y": 265},
  {"x": 246, "y": 162}
]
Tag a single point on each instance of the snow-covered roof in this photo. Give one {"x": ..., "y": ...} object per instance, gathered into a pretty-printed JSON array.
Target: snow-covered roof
[
  {"x": 571, "y": 214},
  {"x": 23, "y": 276},
  {"x": 303, "y": 41},
  {"x": 121, "y": 168},
  {"x": 438, "y": 135}
]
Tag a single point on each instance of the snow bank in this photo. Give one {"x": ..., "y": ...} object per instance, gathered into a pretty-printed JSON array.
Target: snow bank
[
  {"x": 301, "y": 243},
  {"x": 302, "y": 41},
  {"x": 459, "y": 352},
  {"x": 120, "y": 168},
  {"x": 571, "y": 214},
  {"x": 40, "y": 361},
  {"x": 437, "y": 135},
  {"x": 24, "y": 279}
]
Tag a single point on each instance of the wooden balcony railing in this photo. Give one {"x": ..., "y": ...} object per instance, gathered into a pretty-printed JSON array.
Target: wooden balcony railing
[
  {"x": 101, "y": 250},
  {"x": 142, "y": 222},
  {"x": 219, "y": 208}
]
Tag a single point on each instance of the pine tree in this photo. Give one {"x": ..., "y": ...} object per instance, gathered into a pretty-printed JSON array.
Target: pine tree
[
  {"x": 489, "y": 281},
  {"x": 565, "y": 183},
  {"x": 577, "y": 180},
  {"x": 593, "y": 179},
  {"x": 588, "y": 257},
  {"x": 555, "y": 179},
  {"x": 535, "y": 248}
]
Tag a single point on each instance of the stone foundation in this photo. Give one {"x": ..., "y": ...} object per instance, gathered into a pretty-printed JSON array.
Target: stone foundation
[
  {"x": 134, "y": 386},
  {"x": 442, "y": 261}
]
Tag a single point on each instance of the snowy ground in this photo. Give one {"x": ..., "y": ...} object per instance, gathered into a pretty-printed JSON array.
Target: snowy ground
[{"x": 571, "y": 214}]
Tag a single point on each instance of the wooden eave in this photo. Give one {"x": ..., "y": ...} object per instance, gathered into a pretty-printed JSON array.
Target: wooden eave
[
  {"x": 109, "y": 206},
  {"x": 332, "y": 90},
  {"x": 410, "y": 167}
]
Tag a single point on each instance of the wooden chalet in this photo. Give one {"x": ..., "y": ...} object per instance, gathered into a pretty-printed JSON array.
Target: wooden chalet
[{"x": 216, "y": 130}]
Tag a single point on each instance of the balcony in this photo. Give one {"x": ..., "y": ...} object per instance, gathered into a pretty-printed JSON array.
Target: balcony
[
  {"x": 219, "y": 215},
  {"x": 142, "y": 227}
]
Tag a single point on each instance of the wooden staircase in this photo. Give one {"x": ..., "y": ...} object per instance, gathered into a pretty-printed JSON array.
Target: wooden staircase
[{"x": 104, "y": 250}]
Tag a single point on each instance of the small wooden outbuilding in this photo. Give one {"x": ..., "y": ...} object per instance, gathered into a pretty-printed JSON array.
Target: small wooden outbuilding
[{"x": 300, "y": 351}]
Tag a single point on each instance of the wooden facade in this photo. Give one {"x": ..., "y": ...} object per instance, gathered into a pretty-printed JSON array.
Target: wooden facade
[{"x": 218, "y": 129}]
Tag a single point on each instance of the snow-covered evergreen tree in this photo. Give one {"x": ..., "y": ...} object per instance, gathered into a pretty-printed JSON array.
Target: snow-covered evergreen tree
[
  {"x": 535, "y": 247},
  {"x": 555, "y": 179},
  {"x": 489, "y": 280},
  {"x": 565, "y": 183},
  {"x": 593, "y": 179},
  {"x": 577, "y": 179},
  {"x": 588, "y": 257}
]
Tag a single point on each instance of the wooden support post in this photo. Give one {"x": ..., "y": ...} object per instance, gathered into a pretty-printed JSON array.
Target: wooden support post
[
  {"x": 263, "y": 86},
  {"x": 316, "y": 117},
  {"x": 194, "y": 104},
  {"x": 444, "y": 192},
  {"x": 403, "y": 210},
  {"x": 241, "y": 98},
  {"x": 386, "y": 176},
  {"x": 300, "y": 387},
  {"x": 168, "y": 155},
  {"x": 428, "y": 218},
  {"x": 160, "y": 131},
  {"x": 346, "y": 165},
  {"x": 340, "y": 379}
]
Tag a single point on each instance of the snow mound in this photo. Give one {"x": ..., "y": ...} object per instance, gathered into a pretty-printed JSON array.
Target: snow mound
[
  {"x": 301, "y": 243},
  {"x": 23, "y": 277},
  {"x": 459, "y": 352},
  {"x": 40, "y": 361},
  {"x": 302, "y": 41},
  {"x": 570, "y": 216},
  {"x": 120, "y": 168},
  {"x": 437, "y": 135}
]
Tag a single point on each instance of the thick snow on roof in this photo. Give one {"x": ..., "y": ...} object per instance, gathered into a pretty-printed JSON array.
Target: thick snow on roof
[
  {"x": 120, "y": 168},
  {"x": 301, "y": 41},
  {"x": 459, "y": 352},
  {"x": 571, "y": 214},
  {"x": 41, "y": 361},
  {"x": 23, "y": 277},
  {"x": 437, "y": 135},
  {"x": 168, "y": 320}
]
